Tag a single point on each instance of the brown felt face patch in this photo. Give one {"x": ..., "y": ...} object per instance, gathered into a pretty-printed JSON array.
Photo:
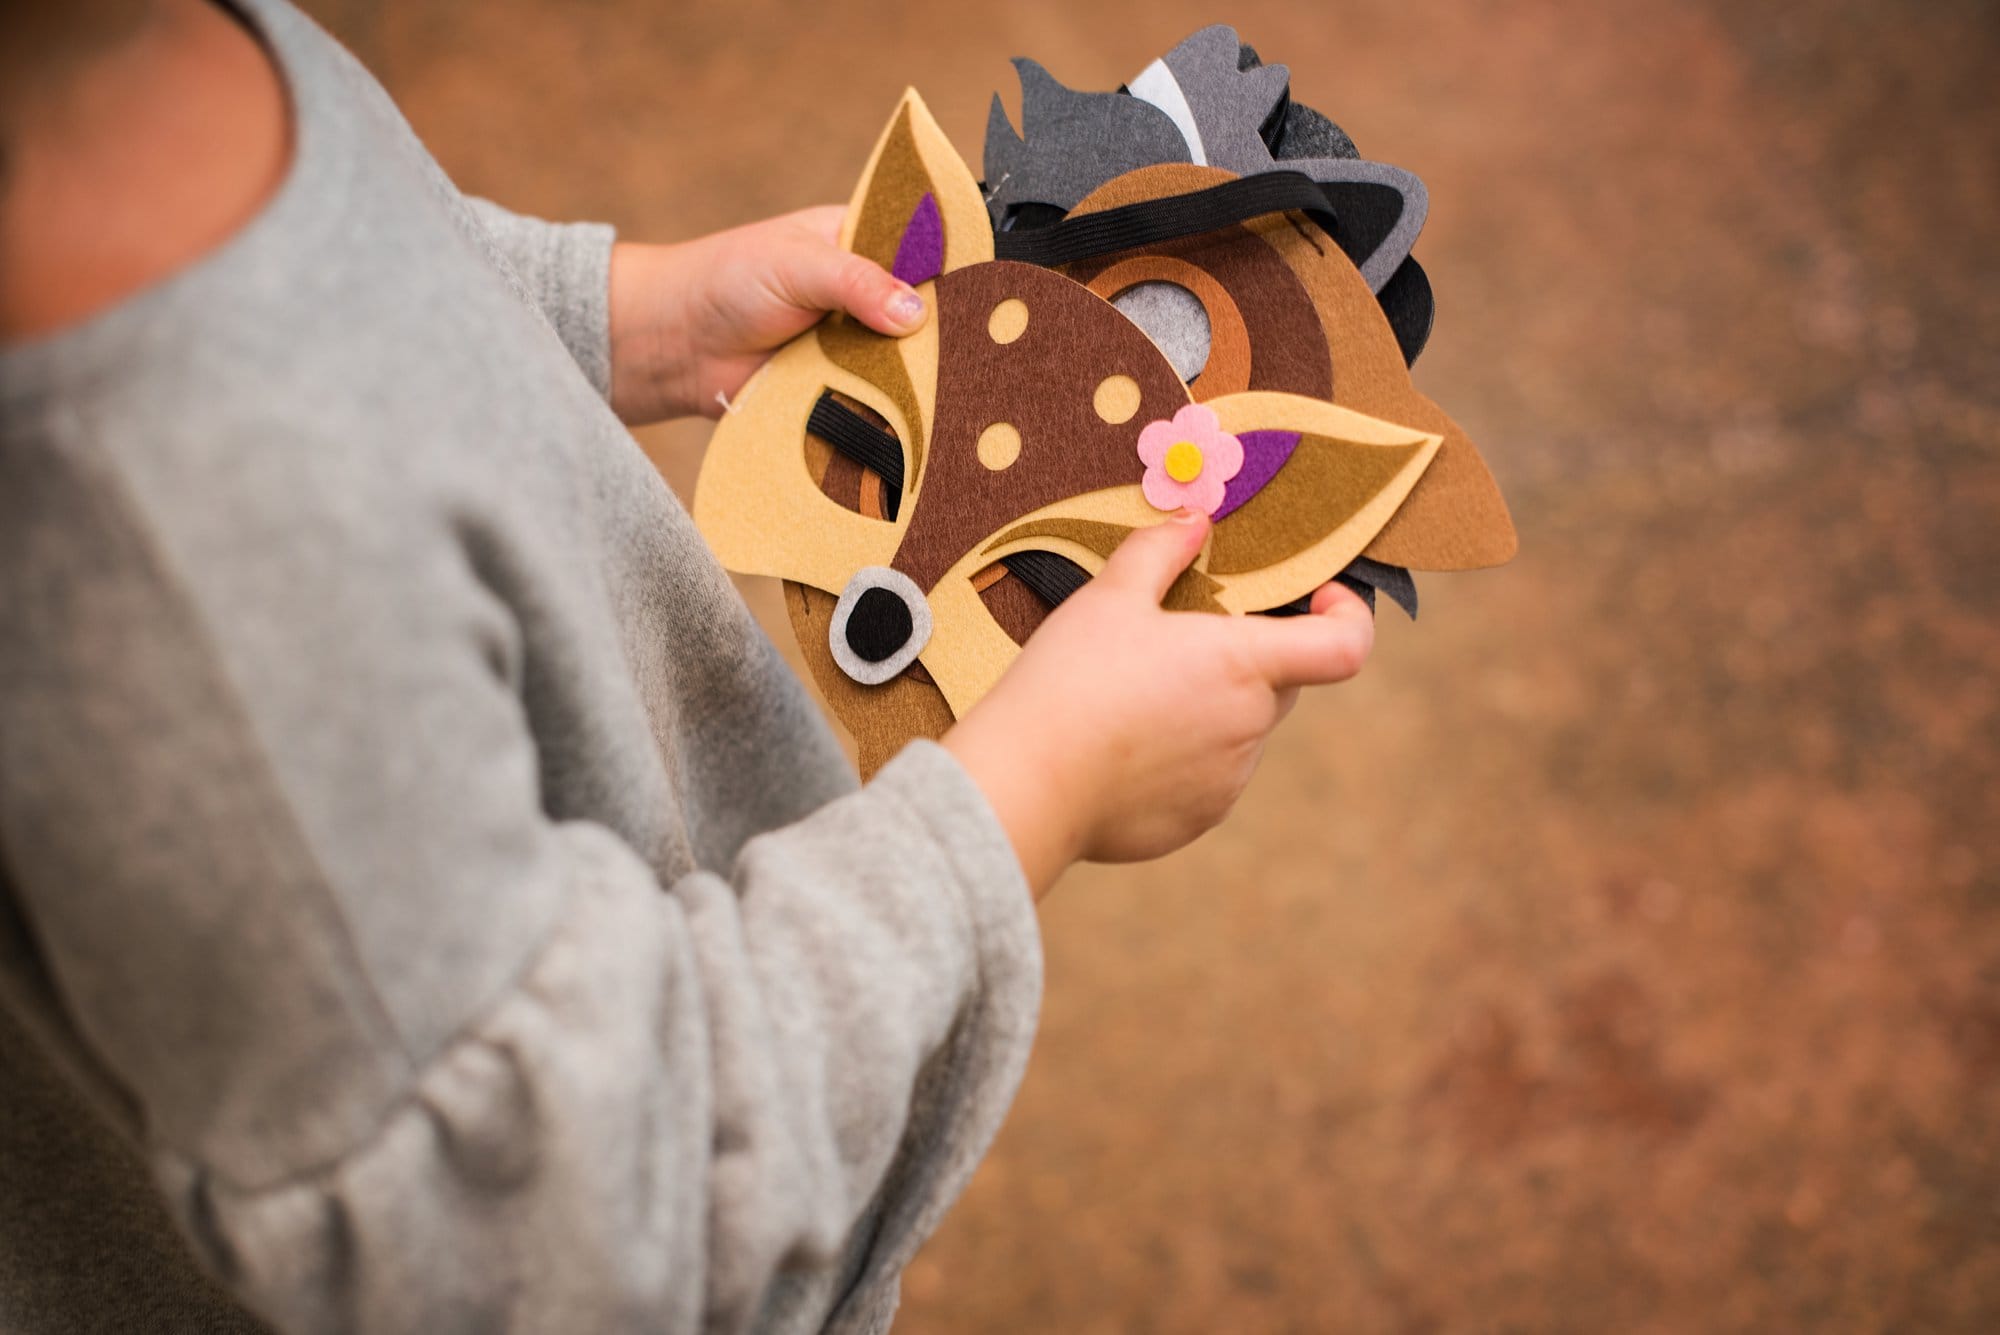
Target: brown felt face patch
[{"x": 1043, "y": 385}]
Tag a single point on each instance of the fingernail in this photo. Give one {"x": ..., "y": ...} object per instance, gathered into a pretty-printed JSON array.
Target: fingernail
[
  {"x": 906, "y": 307},
  {"x": 1187, "y": 515}
]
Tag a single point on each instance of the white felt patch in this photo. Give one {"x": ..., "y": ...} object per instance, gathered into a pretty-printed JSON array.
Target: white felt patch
[
  {"x": 902, "y": 587},
  {"x": 1156, "y": 84}
]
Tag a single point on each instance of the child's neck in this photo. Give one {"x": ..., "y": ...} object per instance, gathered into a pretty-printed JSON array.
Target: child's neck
[{"x": 133, "y": 161}]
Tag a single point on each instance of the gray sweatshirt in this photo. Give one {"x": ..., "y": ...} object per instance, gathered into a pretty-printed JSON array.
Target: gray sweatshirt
[{"x": 427, "y": 902}]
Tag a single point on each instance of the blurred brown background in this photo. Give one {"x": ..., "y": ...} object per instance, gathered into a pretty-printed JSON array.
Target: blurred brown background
[{"x": 1623, "y": 951}]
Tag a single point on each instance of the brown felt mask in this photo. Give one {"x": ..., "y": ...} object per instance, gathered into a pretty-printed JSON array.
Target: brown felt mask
[{"x": 917, "y": 493}]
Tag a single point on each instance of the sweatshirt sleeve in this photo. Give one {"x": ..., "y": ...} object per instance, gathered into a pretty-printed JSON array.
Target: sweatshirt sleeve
[
  {"x": 565, "y": 271},
  {"x": 411, "y": 1054}
]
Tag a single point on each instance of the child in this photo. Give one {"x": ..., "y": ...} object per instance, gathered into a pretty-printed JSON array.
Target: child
[{"x": 417, "y": 872}]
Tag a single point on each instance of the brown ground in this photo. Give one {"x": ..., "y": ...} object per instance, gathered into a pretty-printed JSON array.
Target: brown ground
[{"x": 1623, "y": 952}]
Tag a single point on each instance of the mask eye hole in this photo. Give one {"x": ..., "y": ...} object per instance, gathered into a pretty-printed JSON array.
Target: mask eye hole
[
  {"x": 855, "y": 456},
  {"x": 1021, "y": 590},
  {"x": 1175, "y": 319}
]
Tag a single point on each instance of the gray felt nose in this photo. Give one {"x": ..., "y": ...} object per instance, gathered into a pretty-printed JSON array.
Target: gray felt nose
[{"x": 880, "y": 625}]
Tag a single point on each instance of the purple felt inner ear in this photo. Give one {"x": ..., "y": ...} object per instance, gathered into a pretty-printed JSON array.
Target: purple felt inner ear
[
  {"x": 920, "y": 254},
  {"x": 1264, "y": 453}
]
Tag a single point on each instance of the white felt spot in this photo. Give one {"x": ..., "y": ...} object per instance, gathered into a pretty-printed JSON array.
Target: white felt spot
[
  {"x": 1156, "y": 84},
  {"x": 1174, "y": 319}
]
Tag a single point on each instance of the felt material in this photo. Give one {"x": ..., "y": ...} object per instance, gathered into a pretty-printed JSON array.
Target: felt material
[
  {"x": 838, "y": 476},
  {"x": 1381, "y": 208},
  {"x": 1044, "y": 385},
  {"x": 1008, "y": 321},
  {"x": 1191, "y": 591},
  {"x": 1391, "y": 580},
  {"x": 1264, "y": 453},
  {"x": 881, "y": 719},
  {"x": 1346, "y": 477},
  {"x": 1156, "y": 84},
  {"x": 875, "y": 501},
  {"x": 1321, "y": 480},
  {"x": 1248, "y": 284},
  {"x": 1070, "y": 143},
  {"x": 1020, "y": 407},
  {"x": 757, "y": 503},
  {"x": 1305, "y": 133},
  {"x": 1075, "y": 237},
  {"x": 1411, "y": 310},
  {"x": 999, "y": 446},
  {"x": 1116, "y": 399},
  {"x": 920, "y": 253},
  {"x": 1230, "y": 104},
  {"x": 1174, "y": 318},
  {"x": 1099, "y": 537},
  {"x": 1456, "y": 518},
  {"x": 879, "y": 625},
  {"x": 1012, "y": 604},
  {"x": 912, "y": 158},
  {"x": 881, "y": 362},
  {"x": 1189, "y": 460},
  {"x": 1226, "y": 366},
  {"x": 897, "y": 183},
  {"x": 869, "y": 642},
  {"x": 1301, "y": 132}
]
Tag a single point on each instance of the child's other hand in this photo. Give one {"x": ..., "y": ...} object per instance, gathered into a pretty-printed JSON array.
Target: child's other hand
[
  {"x": 1123, "y": 731},
  {"x": 694, "y": 320}
]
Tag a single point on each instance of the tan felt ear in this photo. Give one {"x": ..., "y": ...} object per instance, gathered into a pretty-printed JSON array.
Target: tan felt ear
[
  {"x": 881, "y": 719},
  {"x": 913, "y": 159},
  {"x": 1455, "y": 519},
  {"x": 1346, "y": 477}
]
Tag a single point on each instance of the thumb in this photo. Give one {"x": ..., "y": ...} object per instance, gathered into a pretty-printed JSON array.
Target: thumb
[
  {"x": 816, "y": 275},
  {"x": 1151, "y": 559}
]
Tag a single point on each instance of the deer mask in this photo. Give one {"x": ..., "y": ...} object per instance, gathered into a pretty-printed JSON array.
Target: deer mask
[{"x": 926, "y": 499}]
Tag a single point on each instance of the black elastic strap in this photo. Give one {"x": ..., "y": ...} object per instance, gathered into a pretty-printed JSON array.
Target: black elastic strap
[
  {"x": 861, "y": 440},
  {"x": 1054, "y": 578},
  {"x": 1152, "y": 221},
  {"x": 1051, "y": 577}
]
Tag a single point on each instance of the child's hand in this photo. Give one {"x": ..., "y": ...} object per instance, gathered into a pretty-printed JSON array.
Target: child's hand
[
  {"x": 694, "y": 320},
  {"x": 1123, "y": 731}
]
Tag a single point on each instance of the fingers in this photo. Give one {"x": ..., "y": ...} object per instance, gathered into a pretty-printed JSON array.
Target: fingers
[
  {"x": 1332, "y": 594},
  {"x": 816, "y": 275},
  {"x": 822, "y": 220},
  {"x": 1318, "y": 650},
  {"x": 1151, "y": 559}
]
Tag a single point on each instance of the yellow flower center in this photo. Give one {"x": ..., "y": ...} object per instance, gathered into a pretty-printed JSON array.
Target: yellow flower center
[{"x": 1183, "y": 461}]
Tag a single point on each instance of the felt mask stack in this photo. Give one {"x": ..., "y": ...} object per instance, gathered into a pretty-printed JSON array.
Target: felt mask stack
[{"x": 1190, "y": 292}]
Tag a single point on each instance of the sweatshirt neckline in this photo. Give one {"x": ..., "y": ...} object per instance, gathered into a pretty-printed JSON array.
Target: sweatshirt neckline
[{"x": 81, "y": 354}]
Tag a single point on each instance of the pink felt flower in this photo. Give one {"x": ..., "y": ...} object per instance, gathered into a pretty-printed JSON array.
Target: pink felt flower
[{"x": 1189, "y": 460}]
